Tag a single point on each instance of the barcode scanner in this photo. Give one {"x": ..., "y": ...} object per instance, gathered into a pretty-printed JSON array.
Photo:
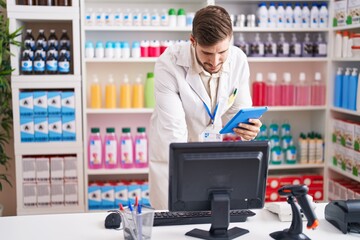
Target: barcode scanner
[{"x": 113, "y": 220}]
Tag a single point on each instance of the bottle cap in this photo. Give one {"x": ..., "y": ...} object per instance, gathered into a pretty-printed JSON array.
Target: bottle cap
[
  {"x": 99, "y": 45},
  {"x": 272, "y": 77},
  {"x": 150, "y": 75},
  {"x": 172, "y": 11},
  {"x": 111, "y": 78},
  {"x": 117, "y": 44},
  {"x": 181, "y": 11},
  {"x": 109, "y": 45},
  {"x": 125, "y": 45},
  {"x": 287, "y": 77},
  {"x": 95, "y": 130},
  {"x": 259, "y": 77},
  {"x": 110, "y": 130},
  {"x": 140, "y": 129},
  {"x": 126, "y": 130},
  {"x": 302, "y": 77},
  {"x": 317, "y": 76},
  {"x": 136, "y": 44},
  {"x": 89, "y": 45}
]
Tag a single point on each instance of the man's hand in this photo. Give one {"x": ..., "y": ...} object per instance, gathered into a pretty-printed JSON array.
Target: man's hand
[{"x": 248, "y": 132}]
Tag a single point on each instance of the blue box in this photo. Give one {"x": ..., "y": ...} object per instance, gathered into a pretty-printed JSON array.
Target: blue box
[
  {"x": 26, "y": 103},
  {"x": 54, "y": 103},
  {"x": 67, "y": 103},
  {"x": 145, "y": 200},
  {"x": 107, "y": 196},
  {"x": 121, "y": 194},
  {"x": 134, "y": 191},
  {"x": 55, "y": 128},
  {"x": 68, "y": 128},
  {"x": 41, "y": 129},
  {"x": 40, "y": 104},
  {"x": 94, "y": 196},
  {"x": 27, "y": 129}
]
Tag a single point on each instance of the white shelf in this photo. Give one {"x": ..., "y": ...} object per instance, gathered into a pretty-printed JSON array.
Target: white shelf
[
  {"x": 286, "y": 59},
  {"x": 345, "y": 59},
  {"x": 24, "y": 148},
  {"x": 347, "y": 27},
  {"x": 50, "y": 210},
  {"x": 344, "y": 173},
  {"x": 296, "y": 166},
  {"x": 119, "y": 110},
  {"x": 258, "y": 29},
  {"x": 45, "y": 78},
  {"x": 295, "y": 108},
  {"x": 342, "y": 110},
  {"x": 136, "y": 29},
  {"x": 117, "y": 171},
  {"x": 42, "y": 13},
  {"x": 122, "y": 60}
]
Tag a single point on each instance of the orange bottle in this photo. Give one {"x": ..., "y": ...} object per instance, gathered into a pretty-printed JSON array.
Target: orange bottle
[
  {"x": 95, "y": 93},
  {"x": 110, "y": 93},
  {"x": 125, "y": 93},
  {"x": 138, "y": 93}
]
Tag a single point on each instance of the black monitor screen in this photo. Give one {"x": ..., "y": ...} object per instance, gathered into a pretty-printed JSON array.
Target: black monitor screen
[{"x": 197, "y": 171}]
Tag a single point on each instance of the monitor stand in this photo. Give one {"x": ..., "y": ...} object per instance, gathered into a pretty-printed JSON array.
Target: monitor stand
[{"x": 220, "y": 219}]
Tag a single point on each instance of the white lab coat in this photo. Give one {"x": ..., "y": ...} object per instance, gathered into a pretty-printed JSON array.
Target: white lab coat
[{"x": 180, "y": 115}]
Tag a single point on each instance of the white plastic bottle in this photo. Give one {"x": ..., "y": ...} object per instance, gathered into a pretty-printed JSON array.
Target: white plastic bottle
[
  {"x": 127, "y": 18},
  {"x": 181, "y": 18},
  {"x": 99, "y": 51},
  {"x": 155, "y": 18},
  {"x": 172, "y": 17},
  {"x": 272, "y": 16},
  {"x": 305, "y": 12},
  {"x": 109, "y": 50},
  {"x": 314, "y": 15},
  {"x": 164, "y": 18},
  {"x": 323, "y": 16},
  {"x": 90, "y": 17},
  {"x": 349, "y": 45},
  {"x": 137, "y": 20},
  {"x": 281, "y": 16},
  {"x": 297, "y": 16},
  {"x": 117, "y": 50},
  {"x": 89, "y": 50},
  {"x": 100, "y": 17},
  {"x": 146, "y": 18},
  {"x": 345, "y": 40},
  {"x": 289, "y": 16},
  {"x": 125, "y": 50},
  {"x": 109, "y": 18},
  {"x": 263, "y": 15},
  {"x": 338, "y": 44},
  {"x": 118, "y": 17}
]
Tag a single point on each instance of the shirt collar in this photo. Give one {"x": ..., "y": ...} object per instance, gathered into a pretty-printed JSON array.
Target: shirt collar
[{"x": 199, "y": 69}]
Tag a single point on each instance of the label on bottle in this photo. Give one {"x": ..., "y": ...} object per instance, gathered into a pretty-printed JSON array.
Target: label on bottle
[
  {"x": 110, "y": 152},
  {"x": 141, "y": 151},
  {"x": 291, "y": 154},
  {"x": 276, "y": 155},
  {"x": 65, "y": 42},
  {"x": 95, "y": 152},
  {"x": 26, "y": 66},
  {"x": 126, "y": 151},
  {"x": 64, "y": 67},
  {"x": 30, "y": 42},
  {"x": 51, "y": 65},
  {"x": 39, "y": 66}
]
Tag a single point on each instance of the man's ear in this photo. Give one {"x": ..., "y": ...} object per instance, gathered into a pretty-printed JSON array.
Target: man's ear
[{"x": 192, "y": 40}]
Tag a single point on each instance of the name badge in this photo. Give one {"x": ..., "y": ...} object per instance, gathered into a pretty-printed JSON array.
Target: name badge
[{"x": 211, "y": 134}]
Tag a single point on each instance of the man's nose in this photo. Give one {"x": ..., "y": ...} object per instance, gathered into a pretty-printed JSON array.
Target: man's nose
[{"x": 215, "y": 60}]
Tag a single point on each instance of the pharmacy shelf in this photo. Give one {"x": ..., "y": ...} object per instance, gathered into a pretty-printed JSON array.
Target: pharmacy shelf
[
  {"x": 295, "y": 108},
  {"x": 136, "y": 29},
  {"x": 286, "y": 59},
  {"x": 291, "y": 30},
  {"x": 345, "y": 59},
  {"x": 42, "y": 13},
  {"x": 48, "y": 148},
  {"x": 346, "y": 111},
  {"x": 119, "y": 111},
  {"x": 344, "y": 173},
  {"x": 122, "y": 60},
  {"x": 296, "y": 166},
  {"x": 50, "y": 210},
  {"x": 347, "y": 27},
  {"x": 117, "y": 171},
  {"x": 45, "y": 78}
]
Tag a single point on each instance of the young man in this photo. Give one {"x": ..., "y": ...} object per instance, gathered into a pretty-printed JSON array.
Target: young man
[{"x": 199, "y": 87}]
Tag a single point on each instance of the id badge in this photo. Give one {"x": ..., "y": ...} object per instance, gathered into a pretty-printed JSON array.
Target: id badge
[{"x": 211, "y": 134}]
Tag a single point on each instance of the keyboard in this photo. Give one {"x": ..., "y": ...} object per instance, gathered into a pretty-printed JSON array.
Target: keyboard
[{"x": 166, "y": 218}]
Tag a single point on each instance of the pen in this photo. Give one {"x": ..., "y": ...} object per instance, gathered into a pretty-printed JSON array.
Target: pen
[
  {"x": 134, "y": 220},
  {"x": 232, "y": 97}
]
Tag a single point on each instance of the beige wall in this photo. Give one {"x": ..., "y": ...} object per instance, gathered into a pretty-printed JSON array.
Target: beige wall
[{"x": 8, "y": 194}]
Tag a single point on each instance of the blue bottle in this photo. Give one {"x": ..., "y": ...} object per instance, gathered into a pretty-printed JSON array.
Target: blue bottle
[
  {"x": 353, "y": 83},
  {"x": 338, "y": 88},
  {"x": 345, "y": 89}
]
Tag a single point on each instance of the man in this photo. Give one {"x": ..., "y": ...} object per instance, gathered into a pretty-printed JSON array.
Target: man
[{"x": 199, "y": 87}]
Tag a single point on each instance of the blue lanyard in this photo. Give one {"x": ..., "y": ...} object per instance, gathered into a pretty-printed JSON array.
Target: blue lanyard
[{"x": 212, "y": 116}]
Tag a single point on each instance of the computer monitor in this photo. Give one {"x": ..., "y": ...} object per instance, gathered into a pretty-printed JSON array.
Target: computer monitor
[{"x": 218, "y": 176}]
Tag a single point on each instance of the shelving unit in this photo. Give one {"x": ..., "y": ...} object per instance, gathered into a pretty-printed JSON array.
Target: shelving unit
[{"x": 58, "y": 18}]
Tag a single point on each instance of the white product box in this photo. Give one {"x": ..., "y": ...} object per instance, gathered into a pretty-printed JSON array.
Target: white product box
[
  {"x": 70, "y": 168},
  {"x": 68, "y": 128},
  {"x": 71, "y": 193},
  {"x": 43, "y": 194},
  {"x": 29, "y": 169},
  {"x": 41, "y": 129},
  {"x": 340, "y": 12},
  {"x": 40, "y": 104},
  {"x": 348, "y": 134},
  {"x": 349, "y": 160},
  {"x": 121, "y": 194},
  {"x": 357, "y": 137},
  {"x": 57, "y": 193},
  {"x": 27, "y": 132},
  {"x": 331, "y": 187},
  {"x": 26, "y": 103},
  {"x": 356, "y": 164},
  {"x": 337, "y": 131},
  {"x": 29, "y": 194},
  {"x": 42, "y": 169},
  {"x": 107, "y": 196},
  {"x": 54, "y": 103},
  {"x": 57, "y": 169},
  {"x": 353, "y": 11},
  {"x": 134, "y": 190},
  {"x": 55, "y": 129},
  {"x": 145, "y": 196},
  {"x": 94, "y": 196},
  {"x": 67, "y": 103}
]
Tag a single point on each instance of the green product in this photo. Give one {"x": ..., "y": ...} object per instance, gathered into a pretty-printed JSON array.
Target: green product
[{"x": 149, "y": 91}]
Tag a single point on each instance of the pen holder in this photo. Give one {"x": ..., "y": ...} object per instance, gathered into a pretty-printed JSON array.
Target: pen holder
[{"x": 138, "y": 226}]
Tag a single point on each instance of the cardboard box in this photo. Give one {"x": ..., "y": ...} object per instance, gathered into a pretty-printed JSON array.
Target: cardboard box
[
  {"x": 338, "y": 131},
  {"x": 54, "y": 103},
  {"x": 57, "y": 193},
  {"x": 313, "y": 181},
  {"x": 357, "y": 137},
  {"x": 29, "y": 194},
  {"x": 41, "y": 129},
  {"x": 27, "y": 133},
  {"x": 145, "y": 195},
  {"x": 271, "y": 195},
  {"x": 42, "y": 169},
  {"x": 273, "y": 182},
  {"x": 353, "y": 12},
  {"x": 55, "y": 129},
  {"x": 348, "y": 134},
  {"x": 290, "y": 180},
  {"x": 317, "y": 193},
  {"x": 28, "y": 169},
  {"x": 68, "y": 128},
  {"x": 43, "y": 194},
  {"x": 134, "y": 190},
  {"x": 121, "y": 194},
  {"x": 331, "y": 186},
  {"x": 71, "y": 193},
  {"x": 67, "y": 103},
  {"x": 107, "y": 196},
  {"x": 340, "y": 13},
  {"x": 94, "y": 196},
  {"x": 57, "y": 169},
  {"x": 70, "y": 168},
  {"x": 40, "y": 104},
  {"x": 26, "y": 104}
]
